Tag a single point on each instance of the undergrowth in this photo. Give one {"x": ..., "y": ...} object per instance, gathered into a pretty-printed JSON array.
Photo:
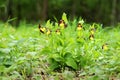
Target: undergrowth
[{"x": 64, "y": 50}]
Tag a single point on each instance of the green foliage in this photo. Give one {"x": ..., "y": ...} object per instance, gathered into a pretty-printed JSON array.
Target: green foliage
[{"x": 26, "y": 53}]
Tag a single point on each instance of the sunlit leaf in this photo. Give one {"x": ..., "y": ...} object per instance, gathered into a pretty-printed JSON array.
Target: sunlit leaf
[
  {"x": 5, "y": 50},
  {"x": 2, "y": 68},
  {"x": 64, "y": 17},
  {"x": 71, "y": 62},
  {"x": 48, "y": 24}
]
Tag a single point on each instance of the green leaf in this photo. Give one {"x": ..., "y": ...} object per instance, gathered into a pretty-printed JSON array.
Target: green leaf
[
  {"x": 71, "y": 62},
  {"x": 67, "y": 55},
  {"x": 48, "y": 23},
  {"x": 81, "y": 21},
  {"x": 5, "y": 50},
  {"x": 2, "y": 68},
  {"x": 53, "y": 64},
  {"x": 45, "y": 50},
  {"x": 60, "y": 42},
  {"x": 8, "y": 63},
  {"x": 57, "y": 57},
  {"x": 64, "y": 17}
]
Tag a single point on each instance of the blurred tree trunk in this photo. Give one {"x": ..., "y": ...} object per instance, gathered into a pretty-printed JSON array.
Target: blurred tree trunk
[
  {"x": 74, "y": 8},
  {"x": 38, "y": 6},
  {"x": 98, "y": 11},
  {"x": 118, "y": 10},
  {"x": 18, "y": 14},
  {"x": 45, "y": 9},
  {"x": 113, "y": 14},
  {"x": 3, "y": 13},
  {"x": 9, "y": 9}
]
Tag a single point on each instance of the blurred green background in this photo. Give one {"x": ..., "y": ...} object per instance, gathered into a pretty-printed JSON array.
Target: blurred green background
[{"x": 101, "y": 11}]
